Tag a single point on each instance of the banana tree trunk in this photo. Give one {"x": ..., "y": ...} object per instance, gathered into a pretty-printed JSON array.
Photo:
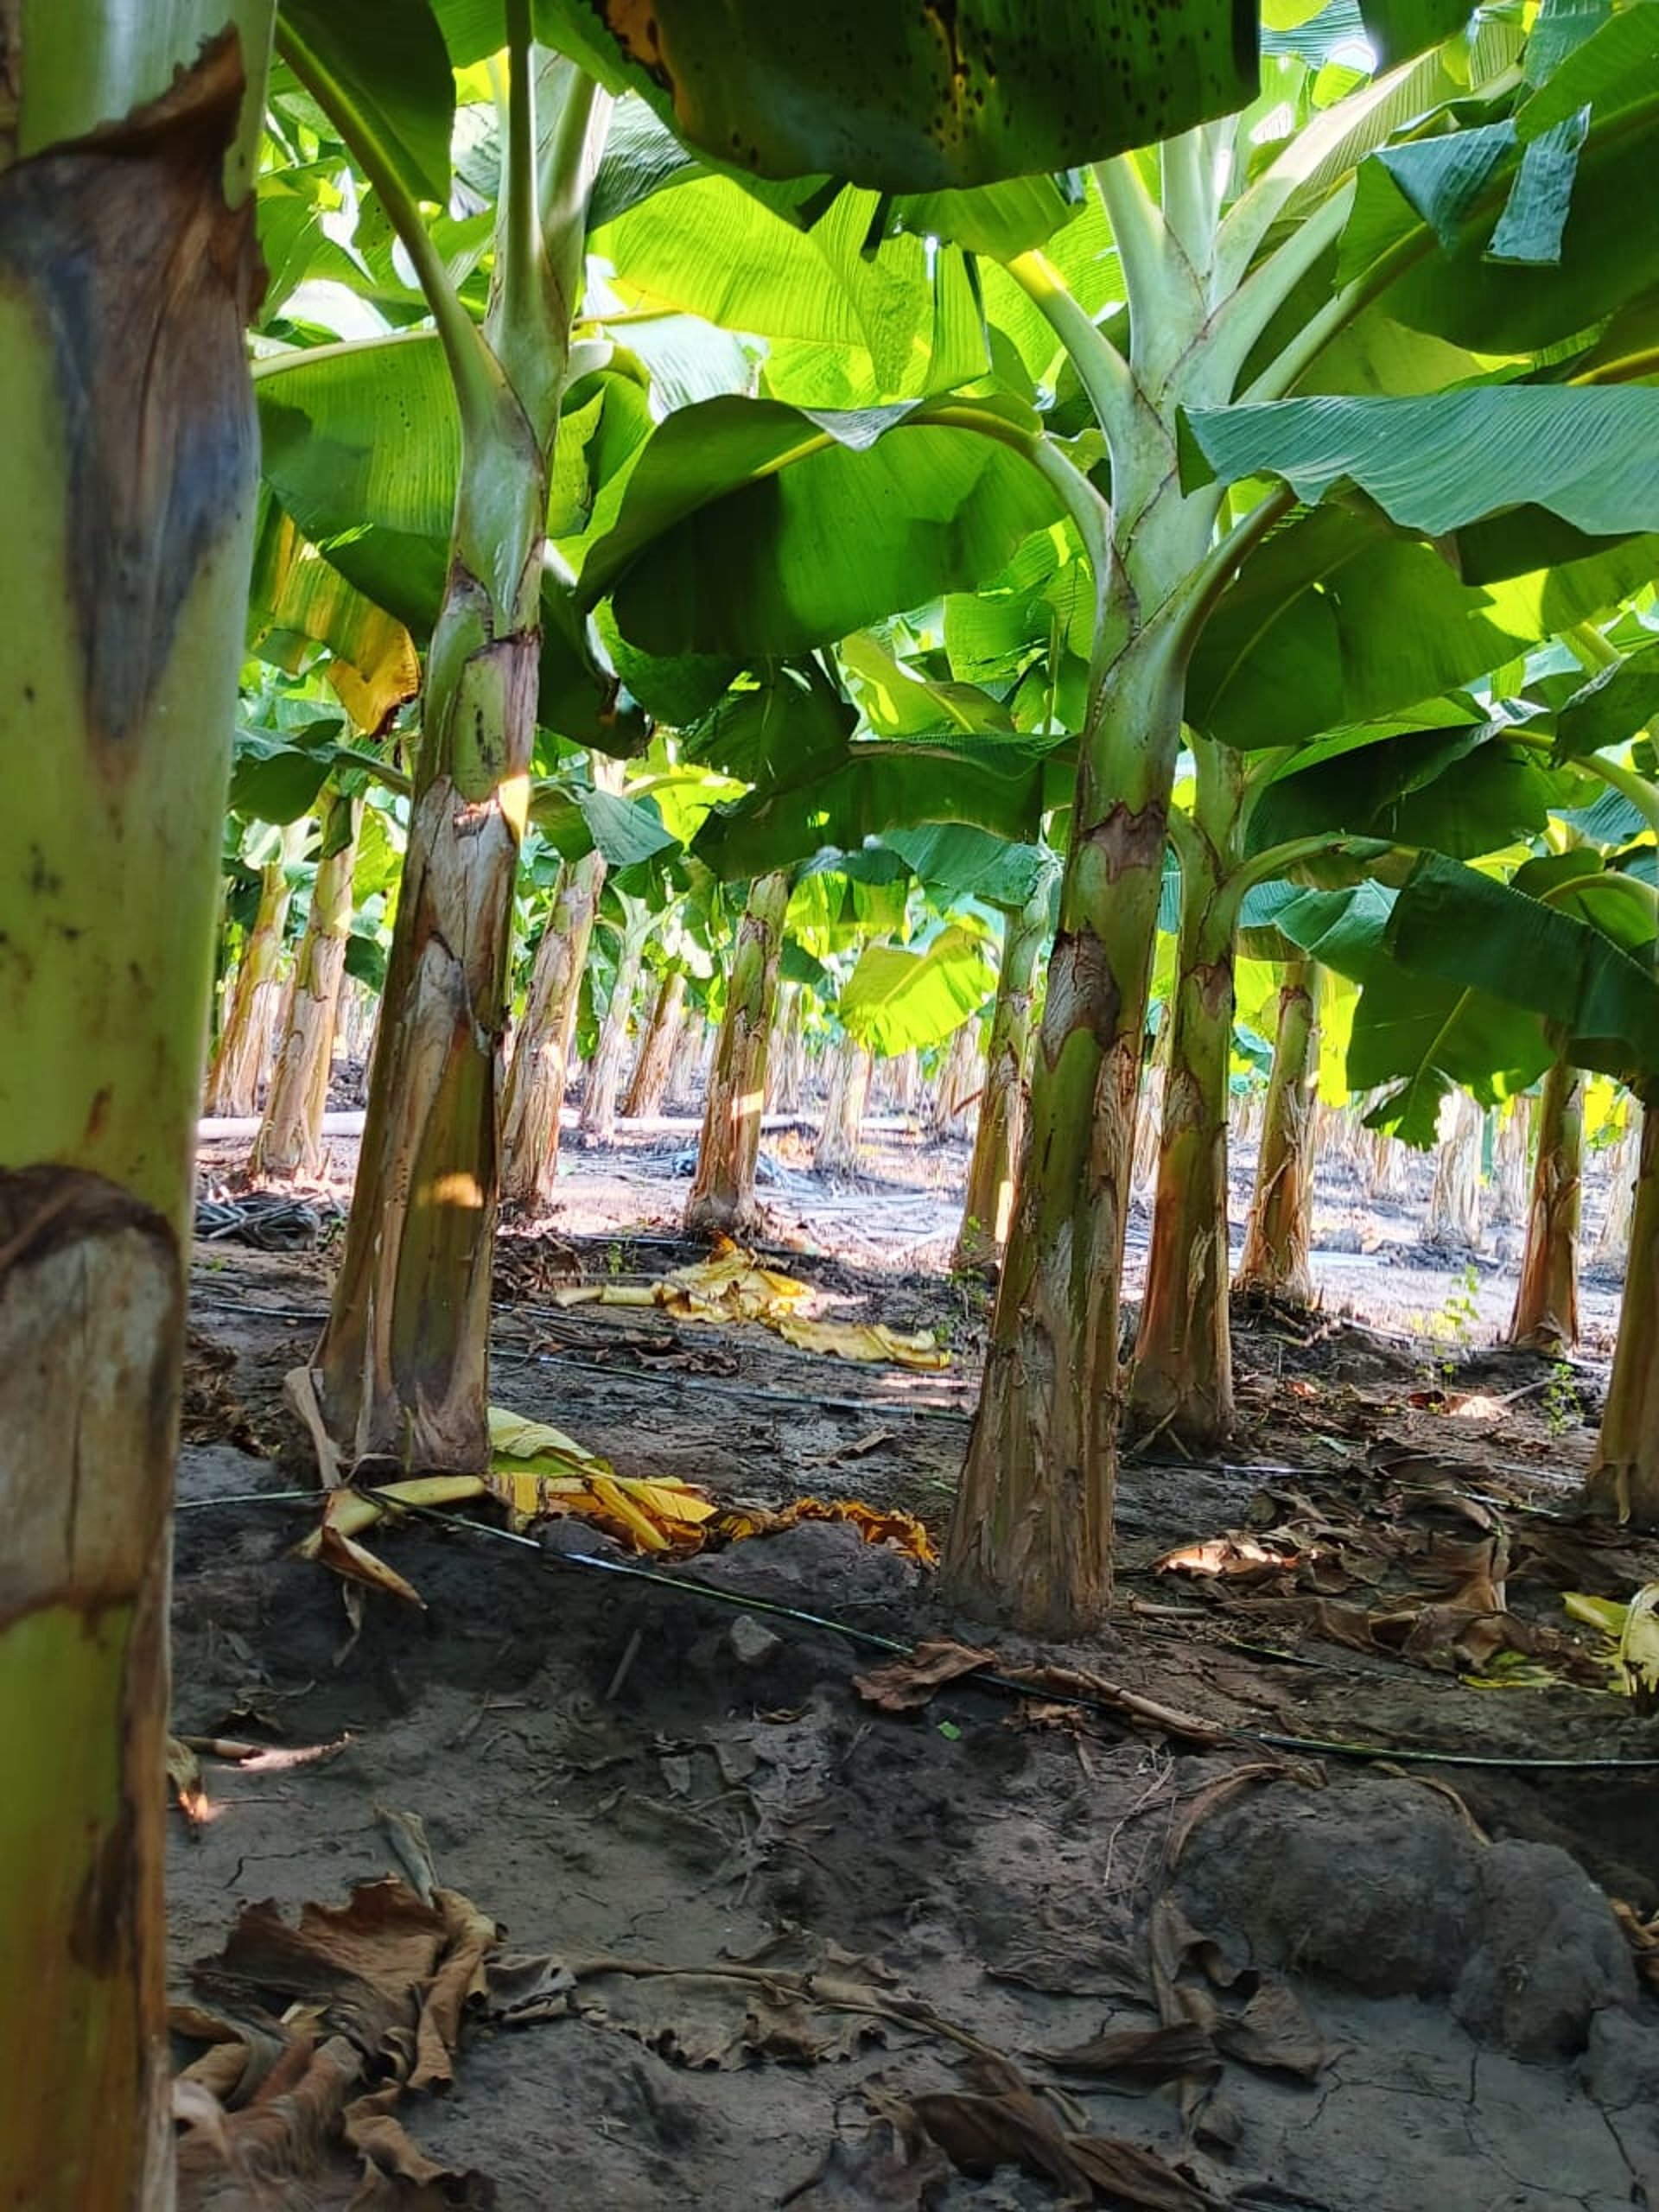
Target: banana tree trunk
[
  {"x": 1149, "y": 1116},
  {"x": 597, "y": 1121},
  {"x": 787, "y": 1056},
  {"x": 289, "y": 1139},
  {"x": 1613, "y": 1238},
  {"x": 402, "y": 1371},
  {"x": 1381, "y": 1160},
  {"x": 1030, "y": 1533},
  {"x": 536, "y": 1078},
  {"x": 1510, "y": 1144},
  {"x": 238, "y": 1073},
  {"x": 1453, "y": 1214},
  {"x": 126, "y": 282},
  {"x": 1625, "y": 1477},
  {"x": 1546, "y": 1314},
  {"x": 908, "y": 1081},
  {"x": 836, "y": 1150},
  {"x": 989, "y": 1206},
  {"x": 649, "y": 1086},
  {"x": 685, "y": 1075},
  {"x": 723, "y": 1190},
  {"x": 1279, "y": 1234},
  {"x": 1183, "y": 1380},
  {"x": 962, "y": 1080}
]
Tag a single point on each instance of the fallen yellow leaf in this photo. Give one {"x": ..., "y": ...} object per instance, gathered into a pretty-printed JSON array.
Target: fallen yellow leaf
[
  {"x": 522, "y": 1438},
  {"x": 864, "y": 1340}
]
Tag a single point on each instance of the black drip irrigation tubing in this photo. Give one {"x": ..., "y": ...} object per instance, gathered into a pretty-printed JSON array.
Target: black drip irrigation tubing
[{"x": 980, "y": 1678}]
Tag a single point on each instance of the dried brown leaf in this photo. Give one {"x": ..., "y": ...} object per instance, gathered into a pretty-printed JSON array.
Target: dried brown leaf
[
  {"x": 1130, "y": 2174},
  {"x": 1140, "y": 2052},
  {"x": 903, "y": 1685},
  {"x": 878, "y": 2174},
  {"x": 1276, "y": 2032}
]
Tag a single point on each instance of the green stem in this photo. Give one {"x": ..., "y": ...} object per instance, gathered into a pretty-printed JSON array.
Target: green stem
[
  {"x": 1102, "y": 370},
  {"x": 1210, "y": 577},
  {"x": 1626, "y": 781},
  {"x": 1593, "y": 649},
  {"x": 1316, "y": 334},
  {"x": 1189, "y": 201},
  {"x": 1138, "y": 234},
  {"x": 1278, "y": 859},
  {"x": 474, "y": 374},
  {"x": 518, "y": 307},
  {"x": 1246, "y": 313}
]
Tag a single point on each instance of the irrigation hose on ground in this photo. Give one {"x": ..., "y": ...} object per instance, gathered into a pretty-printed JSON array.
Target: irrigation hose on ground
[{"x": 741, "y": 1601}]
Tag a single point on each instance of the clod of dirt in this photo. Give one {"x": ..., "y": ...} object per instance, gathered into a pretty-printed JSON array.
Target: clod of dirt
[
  {"x": 753, "y": 1643},
  {"x": 1550, "y": 1958},
  {"x": 1621, "y": 2063},
  {"x": 1377, "y": 1886},
  {"x": 823, "y": 1566}
]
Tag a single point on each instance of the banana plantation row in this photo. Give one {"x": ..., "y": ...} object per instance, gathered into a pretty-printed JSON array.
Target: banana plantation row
[{"x": 1079, "y": 482}]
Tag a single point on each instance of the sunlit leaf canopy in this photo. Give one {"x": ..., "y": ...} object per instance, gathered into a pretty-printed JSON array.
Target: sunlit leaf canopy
[{"x": 946, "y": 93}]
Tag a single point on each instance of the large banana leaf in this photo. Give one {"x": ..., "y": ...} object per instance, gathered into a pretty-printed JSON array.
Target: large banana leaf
[
  {"x": 1421, "y": 1035},
  {"x": 384, "y": 64},
  {"x": 1427, "y": 1036},
  {"x": 578, "y": 819},
  {"x": 783, "y": 729},
  {"x": 908, "y": 317},
  {"x": 898, "y": 702},
  {"x": 1453, "y": 923},
  {"x": 1343, "y": 929},
  {"x": 1430, "y": 219},
  {"x": 898, "y": 999},
  {"x": 917, "y": 100},
  {"x": 994, "y": 784},
  {"x": 1336, "y": 620},
  {"x": 1619, "y": 704},
  {"x": 1459, "y": 790},
  {"x": 753, "y": 528},
  {"x": 956, "y": 861},
  {"x": 1433, "y": 463},
  {"x": 362, "y": 449}
]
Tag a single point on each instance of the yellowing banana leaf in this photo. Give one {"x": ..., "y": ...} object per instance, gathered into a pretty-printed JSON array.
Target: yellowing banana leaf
[
  {"x": 863, "y": 1340},
  {"x": 349, "y": 1511},
  {"x": 1605, "y": 1613},
  {"x": 547, "y": 1450},
  {"x": 902, "y": 1530},
  {"x": 1630, "y": 1640},
  {"x": 730, "y": 1287},
  {"x": 348, "y": 1558}
]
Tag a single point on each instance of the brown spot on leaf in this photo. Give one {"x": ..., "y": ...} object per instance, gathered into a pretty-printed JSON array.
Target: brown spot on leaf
[{"x": 143, "y": 280}]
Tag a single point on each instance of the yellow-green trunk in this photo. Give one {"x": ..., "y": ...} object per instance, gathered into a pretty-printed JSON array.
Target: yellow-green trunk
[{"x": 126, "y": 284}]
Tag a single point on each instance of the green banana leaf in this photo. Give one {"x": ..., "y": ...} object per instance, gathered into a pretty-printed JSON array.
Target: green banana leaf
[
  {"x": 898, "y": 998},
  {"x": 918, "y": 100}
]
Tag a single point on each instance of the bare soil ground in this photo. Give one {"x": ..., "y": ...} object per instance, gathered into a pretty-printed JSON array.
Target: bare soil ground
[{"x": 1258, "y": 1881}]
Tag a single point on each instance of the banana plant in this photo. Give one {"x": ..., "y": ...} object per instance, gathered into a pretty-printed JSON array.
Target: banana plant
[
  {"x": 1278, "y": 1237},
  {"x": 387, "y": 1383},
  {"x": 1163, "y": 324},
  {"x": 307, "y": 772},
  {"x": 127, "y": 242}
]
